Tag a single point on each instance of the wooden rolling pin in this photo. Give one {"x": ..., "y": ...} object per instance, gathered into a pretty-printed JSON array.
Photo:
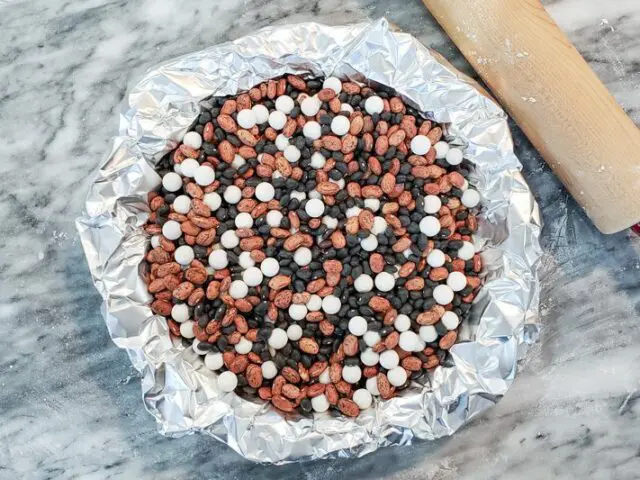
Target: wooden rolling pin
[{"x": 560, "y": 104}]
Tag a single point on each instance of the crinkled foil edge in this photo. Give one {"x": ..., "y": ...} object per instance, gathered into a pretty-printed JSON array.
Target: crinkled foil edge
[{"x": 177, "y": 389}]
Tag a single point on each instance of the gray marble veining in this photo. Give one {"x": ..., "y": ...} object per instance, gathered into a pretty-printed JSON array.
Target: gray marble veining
[{"x": 70, "y": 402}]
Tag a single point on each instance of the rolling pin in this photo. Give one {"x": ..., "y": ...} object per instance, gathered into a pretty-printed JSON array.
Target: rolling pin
[{"x": 555, "y": 98}]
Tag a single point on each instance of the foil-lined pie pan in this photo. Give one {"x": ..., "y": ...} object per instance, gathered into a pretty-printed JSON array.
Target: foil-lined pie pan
[{"x": 177, "y": 389}]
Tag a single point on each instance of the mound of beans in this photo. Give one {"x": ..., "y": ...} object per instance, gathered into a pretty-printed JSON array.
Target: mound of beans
[{"x": 312, "y": 241}]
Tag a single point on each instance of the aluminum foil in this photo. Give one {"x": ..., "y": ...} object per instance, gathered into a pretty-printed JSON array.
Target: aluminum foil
[{"x": 177, "y": 389}]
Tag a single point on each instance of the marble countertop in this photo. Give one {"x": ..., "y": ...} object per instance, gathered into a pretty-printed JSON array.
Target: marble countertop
[{"x": 70, "y": 402}]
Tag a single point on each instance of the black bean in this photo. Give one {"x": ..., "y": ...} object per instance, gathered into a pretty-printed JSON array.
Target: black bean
[{"x": 222, "y": 343}]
